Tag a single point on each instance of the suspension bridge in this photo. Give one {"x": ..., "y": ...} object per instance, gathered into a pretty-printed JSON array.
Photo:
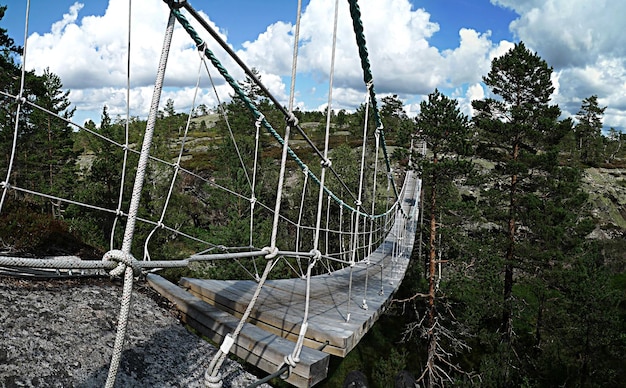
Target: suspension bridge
[{"x": 348, "y": 259}]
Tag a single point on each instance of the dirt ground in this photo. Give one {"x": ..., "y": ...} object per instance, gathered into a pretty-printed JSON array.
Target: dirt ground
[{"x": 60, "y": 333}]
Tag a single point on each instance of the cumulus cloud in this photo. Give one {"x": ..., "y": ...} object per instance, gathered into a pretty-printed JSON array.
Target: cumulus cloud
[
  {"x": 583, "y": 41},
  {"x": 585, "y": 44},
  {"x": 90, "y": 55}
]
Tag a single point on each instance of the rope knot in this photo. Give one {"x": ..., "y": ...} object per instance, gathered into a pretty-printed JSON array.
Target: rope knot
[
  {"x": 358, "y": 203},
  {"x": 326, "y": 163},
  {"x": 315, "y": 254},
  {"x": 259, "y": 120},
  {"x": 20, "y": 99},
  {"x": 292, "y": 120},
  {"x": 176, "y": 3},
  {"x": 273, "y": 252},
  {"x": 124, "y": 260},
  {"x": 5, "y": 185},
  {"x": 289, "y": 361},
  {"x": 252, "y": 200},
  {"x": 212, "y": 381},
  {"x": 201, "y": 47}
]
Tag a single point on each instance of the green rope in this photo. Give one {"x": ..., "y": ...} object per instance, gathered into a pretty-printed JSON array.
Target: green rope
[
  {"x": 357, "y": 24},
  {"x": 255, "y": 112}
]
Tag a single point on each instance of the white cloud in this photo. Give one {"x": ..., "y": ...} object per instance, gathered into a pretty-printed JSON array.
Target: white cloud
[
  {"x": 90, "y": 56},
  {"x": 474, "y": 49},
  {"x": 582, "y": 40},
  {"x": 585, "y": 43}
]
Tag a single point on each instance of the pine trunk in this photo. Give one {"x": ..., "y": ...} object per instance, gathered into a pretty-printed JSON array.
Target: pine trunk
[{"x": 507, "y": 312}]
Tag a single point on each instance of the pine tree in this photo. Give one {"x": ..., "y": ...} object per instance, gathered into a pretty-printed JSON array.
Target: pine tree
[
  {"x": 588, "y": 131},
  {"x": 520, "y": 134},
  {"x": 445, "y": 130},
  {"x": 395, "y": 120},
  {"x": 48, "y": 149}
]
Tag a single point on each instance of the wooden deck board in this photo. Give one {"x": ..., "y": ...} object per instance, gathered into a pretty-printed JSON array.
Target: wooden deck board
[{"x": 254, "y": 345}]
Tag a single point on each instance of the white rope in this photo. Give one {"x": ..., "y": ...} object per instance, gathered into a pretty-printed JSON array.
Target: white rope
[
  {"x": 301, "y": 210},
  {"x": 126, "y": 130},
  {"x": 257, "y": 126},
  {"x": 362, "y": 170},
  {"x": 326, "y": 161},
  {"x": 290, "y": 121},
  {"x": 220, "y": 356},
  {"x": 295, "y": 355},
  {"x": 176, "y": 165},
  {"x": 20, "y": 100},
  {"x": 134, "y": 205}
]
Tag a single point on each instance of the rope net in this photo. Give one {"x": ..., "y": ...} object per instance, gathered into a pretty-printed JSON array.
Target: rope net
[{"x": 219, "y": 197}]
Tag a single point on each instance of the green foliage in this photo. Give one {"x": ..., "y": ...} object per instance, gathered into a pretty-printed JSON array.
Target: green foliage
[
  {"x": 567, "y": 295},
  {"x": 588, "y": 131}
]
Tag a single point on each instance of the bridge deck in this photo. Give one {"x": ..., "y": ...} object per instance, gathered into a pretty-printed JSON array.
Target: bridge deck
[{"x": 280, "y": 307}]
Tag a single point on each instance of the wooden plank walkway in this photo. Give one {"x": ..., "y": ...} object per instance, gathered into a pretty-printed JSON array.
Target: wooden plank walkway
[
  {"x": 254, "y": 345},
  {"x": 280, "y": 307}
]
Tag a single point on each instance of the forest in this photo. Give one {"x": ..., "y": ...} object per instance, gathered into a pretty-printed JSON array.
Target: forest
[{"x": 519, "y": 274}]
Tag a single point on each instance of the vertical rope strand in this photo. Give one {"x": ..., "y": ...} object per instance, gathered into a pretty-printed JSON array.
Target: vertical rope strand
[
  {"x": 20, "y": 100},
  {"x": 326, "y": 162},
  {"x": 118, "y": 211},
  {"x": 291, "y": 121},
  {"x": 362, "y": 170},
  {"x": 168, "y": 197},
  {"x": 134, "y": 205}
]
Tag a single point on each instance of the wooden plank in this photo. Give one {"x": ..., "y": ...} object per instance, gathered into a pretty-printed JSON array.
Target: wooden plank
[
  {"x": 254, "y": 345},
  {"x": 326, "y": 320},
  {"x": 285, "y": 321}
]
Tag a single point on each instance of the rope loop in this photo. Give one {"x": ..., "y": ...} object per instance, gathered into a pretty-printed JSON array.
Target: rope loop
[
  {"x": 259, "y": 120},
  {"x": 201, "y": 47},
  {"x": 289, "y": 361},
  {"x": 20, "y": 99},
  {"x": 124, "y": 260},
  {"x": 273, "y": 252},
  {"x": 212, "y": 381}
]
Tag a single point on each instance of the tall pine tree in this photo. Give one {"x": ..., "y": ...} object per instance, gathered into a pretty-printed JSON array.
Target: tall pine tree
[
  {"x": 520, "y": 131},
  {"x": 445, "y": 130}
]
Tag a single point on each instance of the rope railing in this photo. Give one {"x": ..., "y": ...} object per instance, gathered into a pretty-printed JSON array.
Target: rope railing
[
  {"x": 357, "y": 23},
  {"x": 359, "y": 232},
  {"x": 256, "y": 114}
]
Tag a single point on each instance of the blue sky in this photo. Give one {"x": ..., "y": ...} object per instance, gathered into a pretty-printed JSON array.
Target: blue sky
[{"x": 415, "y": 46}]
